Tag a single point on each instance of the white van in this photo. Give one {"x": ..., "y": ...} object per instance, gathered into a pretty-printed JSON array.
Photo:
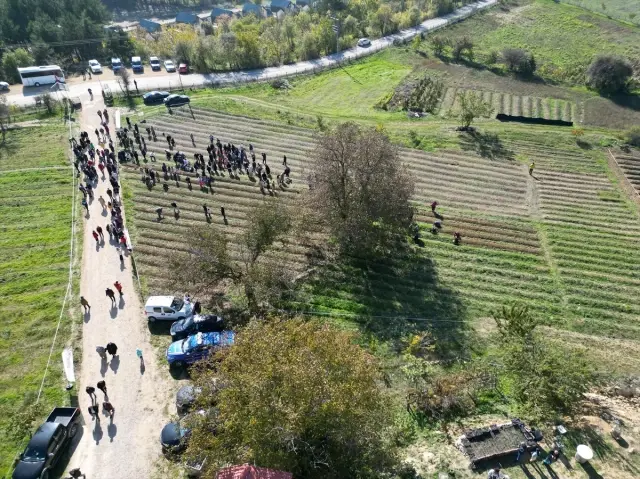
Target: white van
[{"x": 167, "y": 308}]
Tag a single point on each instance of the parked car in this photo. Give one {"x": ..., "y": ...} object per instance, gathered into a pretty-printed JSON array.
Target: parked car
[
  {"x": 198, "y": 323},
  {"x": 169, "y": 66},
  {"x": 154, "y": 63},
  {"x": 4, "y": 86},
  {"x": 116, "y": 64},
  {"x": 196, "y": 347},
  {"x": 176, "y": 100},
  {"x": 136, "y": 65},
  {"x": 166, "y": 308},
  {"x": 185, "y": 398},
  {"x": 154, "y": 97},
  {"x": 174, "y": 436},
  {"x": 183, "y": 68},
  {"x": 364, "y": 42},
  {"x": 95, "y": 66},
  {"x": 48, "y": 444}
]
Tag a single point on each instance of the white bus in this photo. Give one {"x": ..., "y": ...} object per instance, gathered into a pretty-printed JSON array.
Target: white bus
[{"x": 45, "y": 75}]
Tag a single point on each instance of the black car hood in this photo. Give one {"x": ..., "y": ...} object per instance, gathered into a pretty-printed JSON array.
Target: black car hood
[
  {"x": 28, "y": 470},
  {"x": 170, "y": 435}
]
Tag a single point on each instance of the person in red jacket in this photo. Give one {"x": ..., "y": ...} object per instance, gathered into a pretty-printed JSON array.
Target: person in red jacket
[{"x": 118, "y": 287}]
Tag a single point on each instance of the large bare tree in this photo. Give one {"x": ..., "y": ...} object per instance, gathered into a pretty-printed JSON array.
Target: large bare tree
[
  {"x": 360, "y": 186},
  {"x": 215, "y": 261}
]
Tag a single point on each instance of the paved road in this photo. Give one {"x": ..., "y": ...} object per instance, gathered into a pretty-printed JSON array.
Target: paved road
[
  {"x": 128, "y": 446},
  {"x": 171, "y": 80}
]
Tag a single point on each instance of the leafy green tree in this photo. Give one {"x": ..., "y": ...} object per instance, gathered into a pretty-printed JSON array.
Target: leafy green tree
[
  {"x": 382, "y": 20},
  {"x": 463, "y": 47},
  {"x": 519, "y": 61},
  {"x": 296, "y": 396},
  {"x": 183, "y": 51},
  {"x": 471, "y": 107},
  {"x": 361, "y": 188},
  {"x": 439, "y": 45},
  {"x": 11, "y": 61},
  {"x": 547, "y": 379},
  {"x": 609, "y": 74},
  {"x": 42, "y": 54}
]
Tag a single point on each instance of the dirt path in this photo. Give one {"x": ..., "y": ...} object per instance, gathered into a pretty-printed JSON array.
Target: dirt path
[{"x": 127, "y": 447}]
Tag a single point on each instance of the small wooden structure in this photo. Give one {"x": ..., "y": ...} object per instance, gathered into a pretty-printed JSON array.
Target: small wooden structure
[{"x": 496, "y": 440}]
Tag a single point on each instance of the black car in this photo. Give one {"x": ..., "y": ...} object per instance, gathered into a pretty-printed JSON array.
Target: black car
[
  {"x": 185, "y": 398},
  {"x": 154, "y": 97},
  {"x": 48, "y": 444},
  {"x": 199, "y": 323},
  {"x": 176, "y": 100}
]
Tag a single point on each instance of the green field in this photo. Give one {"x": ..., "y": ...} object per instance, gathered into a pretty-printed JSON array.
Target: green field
[
  {"x": 563, "y": 38},
  {"x": 35, "y": 221},
  {"x": 619, "y": 9}
]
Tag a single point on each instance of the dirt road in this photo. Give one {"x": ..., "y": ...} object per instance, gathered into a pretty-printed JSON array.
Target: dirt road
[{"x": 127, "y": 446}]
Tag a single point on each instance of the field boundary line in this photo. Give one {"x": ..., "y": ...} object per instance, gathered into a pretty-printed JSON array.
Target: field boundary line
[{"x": 44, "y": 168}]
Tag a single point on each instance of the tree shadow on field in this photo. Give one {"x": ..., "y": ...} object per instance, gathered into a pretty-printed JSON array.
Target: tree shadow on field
[
  {"x": 487, "y": 145},
  {"x": 393, "y": 297},
  {"x": 630, "y": 101}
]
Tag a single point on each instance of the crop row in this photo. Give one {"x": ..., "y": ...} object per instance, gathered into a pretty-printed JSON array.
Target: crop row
[{"x": 515, "y": 105}]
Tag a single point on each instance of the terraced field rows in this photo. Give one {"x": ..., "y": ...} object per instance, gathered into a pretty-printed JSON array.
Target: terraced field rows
[
  {"x": 515, "y": 105},
  {"x": 629, "y": 163},
  {"x": 563, "y": 261}
]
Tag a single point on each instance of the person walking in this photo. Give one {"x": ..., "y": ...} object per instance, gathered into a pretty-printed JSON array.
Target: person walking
[
  {"x": 434, "y": 205},
  {"x": 102, "y": 386},
  {"x": 112, "y": 349},
  {"x": 135, "y": 83},
  {"x": 85, "y": 304},
  {"x": 99, "y": 231},
  {"x": 108, "y": 228},
  {"x": 110, "y": 193},
  {"x": 207, "y": 213},
  {"x": 111, "y": 295},
  {"x": 102, "y": 202},
  {"x": 531, "y": 168},
  {"x": 96, "y": 236},
  {"x": 105, "y": 114},
  {"x": 85, "y": 204},
  {"x": 118, "y": 286},
  {"x": 121, "y": 256},
  {"x": 264, "y": 158},
  {"x": 222, "y": 212},
  {"x": 91, "y": 391},
  {"x": 108, "y": 408},
  {"x": 284, "y": 160},
  {"x": 101, "y": 352}
]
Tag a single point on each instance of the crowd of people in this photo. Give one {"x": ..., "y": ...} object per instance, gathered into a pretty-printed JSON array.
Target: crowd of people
[{"x": 220, "y": 158}]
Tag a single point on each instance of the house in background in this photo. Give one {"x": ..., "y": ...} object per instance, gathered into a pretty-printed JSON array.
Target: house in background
[
  {"x": 218, "y": 12},
  {"x": 249, "y": 8},
  {"x": 187, "y": 17},
  {"x": 150, "y": 26},
  {"x": 281, "y": 5}
]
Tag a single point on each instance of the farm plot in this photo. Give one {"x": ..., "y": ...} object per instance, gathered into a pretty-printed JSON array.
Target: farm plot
[
  {"x": 630, "y": 166},
  {"x": 513, "y": 105},
  {"x": 535, "y": 241},
  {"x": 501, "y": 258},
  {"x": 35, "y": 219}
]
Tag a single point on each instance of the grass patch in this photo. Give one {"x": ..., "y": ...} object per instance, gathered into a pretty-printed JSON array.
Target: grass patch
[
  {"x": 563, "y": 38},
  {"x": 35, "y": 219}
]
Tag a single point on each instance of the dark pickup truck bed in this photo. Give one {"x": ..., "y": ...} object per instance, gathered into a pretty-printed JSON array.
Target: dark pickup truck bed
[{"x": 63, "y": 415}]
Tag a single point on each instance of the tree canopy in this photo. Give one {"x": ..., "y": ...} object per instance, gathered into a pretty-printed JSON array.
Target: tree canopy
[
  {"x": 360, "y": 187},
  {"x": 609, "y": 74},
  {"x": 296, "y": 396},
  {"x": 547, "y": 379}
]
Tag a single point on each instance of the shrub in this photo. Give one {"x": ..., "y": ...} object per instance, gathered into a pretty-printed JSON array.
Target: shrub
[
  {"x": 632, "y": 136},
  {"x": 492, "y": 58},
  {"x": 609, "y": 74},
  {"x": 463, "y": 47},
  {"x": 519, "y": 61},
  {"x": 439, "y": 45}
]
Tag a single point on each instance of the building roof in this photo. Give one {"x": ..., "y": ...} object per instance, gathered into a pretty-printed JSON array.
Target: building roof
[
  {"x": 247, "y": 471},
  {"x": 280, "y": 4},
  {"x": 149, "y": 25},
  {"x": 249, "y": 7},
  {"x": 186, "y": 17},
  {"x": 218, "y": 12}
]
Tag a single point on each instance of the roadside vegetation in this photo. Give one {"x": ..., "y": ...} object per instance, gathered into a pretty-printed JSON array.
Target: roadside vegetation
[{"x": 35, "y": 214}]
